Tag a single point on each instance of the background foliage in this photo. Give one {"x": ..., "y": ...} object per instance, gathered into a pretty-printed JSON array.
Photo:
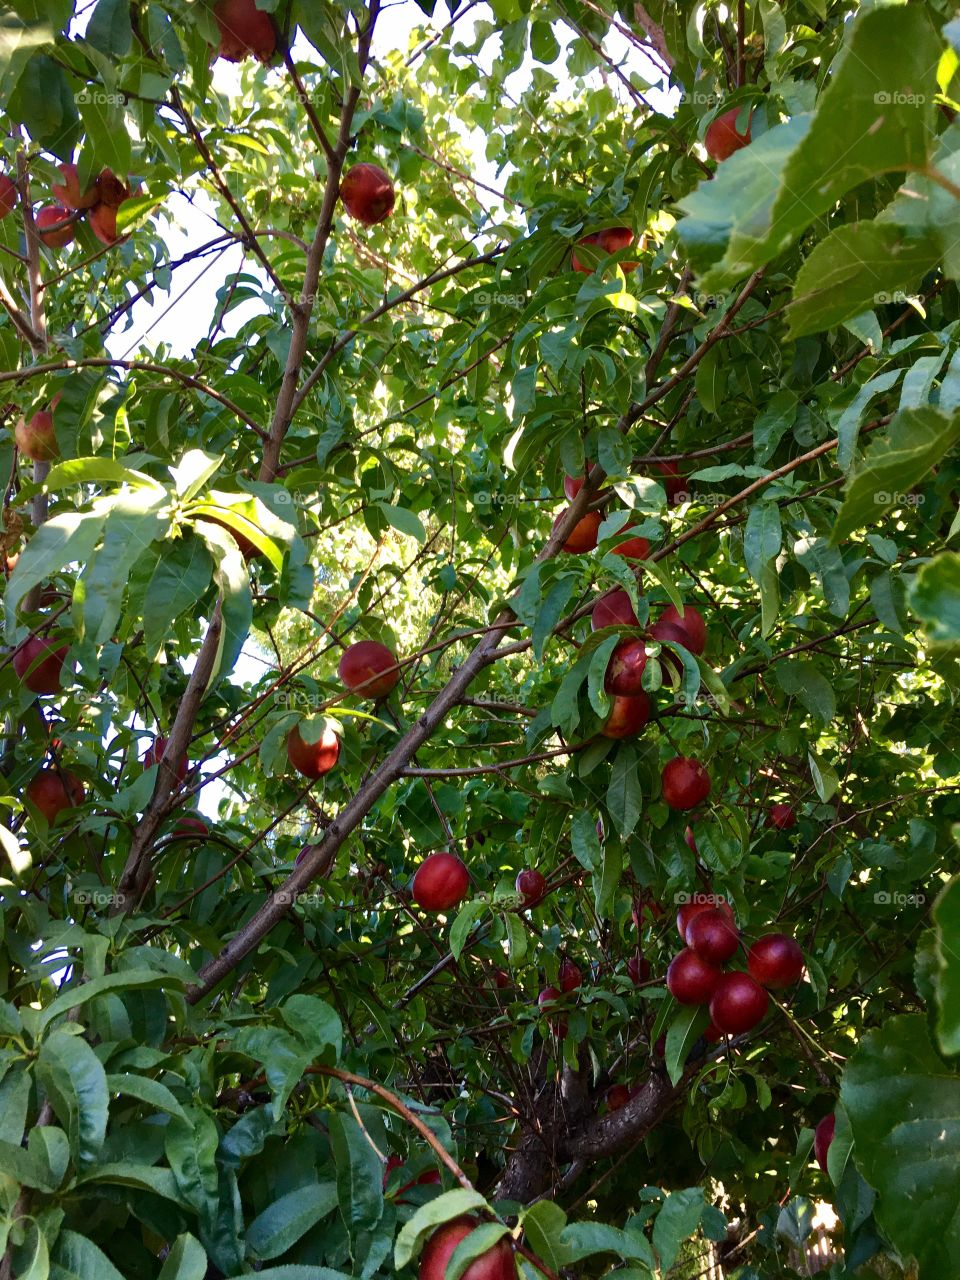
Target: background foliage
[{"x": 193, "y": 1029}]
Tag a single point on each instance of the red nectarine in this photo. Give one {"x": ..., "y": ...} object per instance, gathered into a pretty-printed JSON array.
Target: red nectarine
[
  {"x": 54, "y": 225},
  {"x": 313, "y": 759},
  {"x": 51, "y": 791},
  {"x": 369, "y": 668},
  {"x": 723, "y": 138},
  {"x": 244, "y": 29},
  {"x": 68, "y": 192},
  {"x": 497, "y": 1263},
  {"x": 441, "y": 882},
  {"x": 367, "y": 194},
  {"x": 627, "y": 716},
  {"x": 8, "y": 195},
  {"x": 38, "y": 663}
]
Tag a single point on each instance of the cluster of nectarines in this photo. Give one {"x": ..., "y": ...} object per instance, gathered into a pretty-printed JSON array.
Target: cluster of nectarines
[
  {"x": 738, "y": 1001},
  {"x": 100, "y": 201},
  {"x": 368, "y": 668}
]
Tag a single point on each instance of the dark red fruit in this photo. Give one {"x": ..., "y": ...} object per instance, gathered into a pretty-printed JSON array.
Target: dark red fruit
[
  {"x": 738, "y": 1003},
  {"x": 572, "y": 486},
  {"x": 54, "y": 226},
  {"x": 531, "y": 885},
  {"x": 428, "y": 1178},
  {"x": 583, "y": 536},
  {"x": 712, "y": 1034},
  {"x": 691, "y": 980},
  {"x": 673, "y": 483},
  {"x": 613, "y": 610},
  {"x": 546, "y": 999},
  {"x": 690, "y": 840},
  {"x": 723, "y": 138},
  {"x": 782, "y": 816},
  {"x": 52, "y": 791},
  {"x": 691, "y": 623},
  {"x": 244, "y": 30},
  {"x": 8, "y": 195},
  {"x": 775, "y": 961},
  {"x": 638, "y": 969},
  {"x": 600, "y": 243},
  {"x": 618, "y": 1095},
  {"x": 569, "y": 976},
  {"x": 632, "y": 548},
  {"x": 441, "y": 882},
  {"x": 685, "y": 783},
  {"x": 496, "y": 1264},
  {"x": 625, "y": 668},
  {"x": 822, "y": 1138},
  {"x": 39, "y": 664},
  {"x": 369, "y": 668},
  {"x": 501, "y": 978},
  {"x": 68, "y": 193},
  {"x": 313, "y": 759},
  {"x": 712, "y": 936},
  {"x": 701, "y": 902},
  {"x": 627, "y": 716},
  {"x": 191, "y": 825},
  {"x": 367, "y": 194},
  {"x": 154, "y": 754},
  {"x": 37, "y": 439}
]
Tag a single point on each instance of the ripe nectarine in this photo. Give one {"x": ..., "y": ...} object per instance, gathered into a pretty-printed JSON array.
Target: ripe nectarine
[
  {"x": 497, "y": 1263},
  {"x": 39, "y": 664},
  {"x": 52, "y": 791},
  {"x": 369, "y": 668},
  {"x": 367, "y": 194},
  {"x": 244, "y": 30},
  {"x": 68, "y": 192},
  {"x": 723, "y": 138},
  {"x": 54, "y": 226},
  {"x": 583, "y": 535},
  {"x": 628, "y": 716},
  {"x": 8, "y": 195},
  {"x": 313, "y": 759},
  {"x": 441, "y": 882}
]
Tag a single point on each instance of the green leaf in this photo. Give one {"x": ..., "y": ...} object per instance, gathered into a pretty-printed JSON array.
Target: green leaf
[
  {"x": 584, "y": 840},
  {"x": 825, "y": 780},
  {"x": 186, "y": 1260},
  {"x": 63, "y": 539},
  {"x": 461, "y": 928},
  {"x": 848, "y": 428},
  {"x": 915, "y": 441},
  {"x": 181, "y": 577},
  {"x": 543, "y": 1222},
  {"x": 607, "y": 880},
  {"x": 78, "y": 1257},
  {"x": 946, "y": 915},
  {"x": 431, "y": 1215},
  {"x": 855, "y": 268},
  {"x": 155, "y": 1094},
  {"x": 190, "y": 1146},
  {"x": 314, "y": 1022},
  {"x": 624, "y": 796},
  {"x": 283, "y": 1222},
  {"x": 76, "y": 1084},
  {"x": 934, "y": 596},
  {"x": 904, "y": 1109},
  {"x": 142, "y": 1177},
  {"x": 79, "y": 995},
  {"x": 26, "y": 1167},
  {"x": 683, "y": 1033},
  {"x": 800, "y": 679},
  {"x": 677, "y": 1220},
  {"x": 359, "y": 1174},
  {"x": 582, "y": 1239},
  {"x": 193, "y": 471},
  {"x": 109, "y": 28},
  {"x": 404, "y": 521},
  {"x": 133, "y": 522}
]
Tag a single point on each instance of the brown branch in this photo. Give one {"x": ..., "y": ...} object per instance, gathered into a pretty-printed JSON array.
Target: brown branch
[{"x": 136, "y": 874}]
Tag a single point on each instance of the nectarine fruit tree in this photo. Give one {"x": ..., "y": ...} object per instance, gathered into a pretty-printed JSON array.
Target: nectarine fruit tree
[{"x": 505, "y": 460}]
